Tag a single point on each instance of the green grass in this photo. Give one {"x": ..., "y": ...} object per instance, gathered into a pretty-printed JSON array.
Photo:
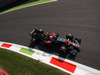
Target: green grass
[
  {"x": 26, "y": 5},
  {"x": 21, "y": 65}
]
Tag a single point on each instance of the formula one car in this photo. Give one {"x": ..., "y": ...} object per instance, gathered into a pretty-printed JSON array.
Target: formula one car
[{"x": 69, "y": 45}]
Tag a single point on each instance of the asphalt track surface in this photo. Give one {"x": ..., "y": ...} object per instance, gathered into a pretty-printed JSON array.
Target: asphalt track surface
[{"x": 78, "y": 17}]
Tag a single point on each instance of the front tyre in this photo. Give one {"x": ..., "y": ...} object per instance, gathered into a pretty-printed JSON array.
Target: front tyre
[{"x": 70, "y": 37}]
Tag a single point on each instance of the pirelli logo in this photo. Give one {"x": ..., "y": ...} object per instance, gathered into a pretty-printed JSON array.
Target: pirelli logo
[{"x": 2, "y": 72}]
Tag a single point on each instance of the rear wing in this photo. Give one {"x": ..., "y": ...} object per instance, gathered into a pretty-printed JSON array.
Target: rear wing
[{"x": 32, "y": 31}]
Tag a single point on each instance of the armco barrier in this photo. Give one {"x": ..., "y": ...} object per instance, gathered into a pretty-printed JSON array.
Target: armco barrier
[{"x": 65, "y": 65}]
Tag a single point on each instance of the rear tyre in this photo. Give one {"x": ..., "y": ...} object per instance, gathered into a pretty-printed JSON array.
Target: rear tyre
[
  {"x": 34, "y": 34},
  {"x": 33, "y": 40},
  {"x": 63, "y": 49}
]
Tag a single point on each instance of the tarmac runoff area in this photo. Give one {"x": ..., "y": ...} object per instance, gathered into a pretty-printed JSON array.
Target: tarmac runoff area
[{"x": 65, "y": 65}]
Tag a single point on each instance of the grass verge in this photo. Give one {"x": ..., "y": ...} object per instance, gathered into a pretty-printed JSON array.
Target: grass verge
[
  {"x": 18, "y": 64},
  {"x": 26, "y": 5}
]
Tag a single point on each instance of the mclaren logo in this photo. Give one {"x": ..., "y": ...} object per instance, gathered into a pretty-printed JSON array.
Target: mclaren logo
[{"x": 2, "y": 72}]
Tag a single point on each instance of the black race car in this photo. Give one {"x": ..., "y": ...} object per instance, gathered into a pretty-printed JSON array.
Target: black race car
[{"x": 69, "y": 45}]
